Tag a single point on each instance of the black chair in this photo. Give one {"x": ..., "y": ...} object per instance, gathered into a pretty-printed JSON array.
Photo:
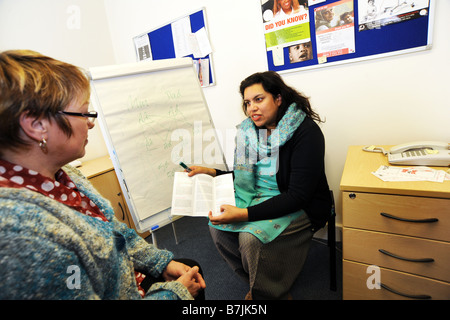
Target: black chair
[{"x": 332, "y": 243}]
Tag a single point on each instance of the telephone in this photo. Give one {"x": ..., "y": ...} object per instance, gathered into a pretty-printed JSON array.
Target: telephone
[{"x": 420, "y": 153}]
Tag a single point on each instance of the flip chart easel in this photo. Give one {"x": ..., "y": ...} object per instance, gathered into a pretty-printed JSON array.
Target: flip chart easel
[{"x": 153, "y": 115}]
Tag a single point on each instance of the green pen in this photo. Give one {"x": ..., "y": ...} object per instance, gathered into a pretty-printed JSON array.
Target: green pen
[{"x": 185, "y": 167}]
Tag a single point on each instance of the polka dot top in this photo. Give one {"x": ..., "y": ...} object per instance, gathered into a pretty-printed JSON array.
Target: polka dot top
[{"x": 62, "y": 189}]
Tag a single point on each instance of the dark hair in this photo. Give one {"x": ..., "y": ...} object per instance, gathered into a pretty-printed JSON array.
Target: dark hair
[{"x": 274, "y": 84}]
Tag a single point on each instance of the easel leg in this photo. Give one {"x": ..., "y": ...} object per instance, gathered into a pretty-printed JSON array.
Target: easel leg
[
  {"x": 174, "y": 232},
  {"x": 154, "y": 239}
]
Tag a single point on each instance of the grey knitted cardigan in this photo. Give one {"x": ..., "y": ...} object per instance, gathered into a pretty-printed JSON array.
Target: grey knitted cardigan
[{"x": 50, "y": 251}]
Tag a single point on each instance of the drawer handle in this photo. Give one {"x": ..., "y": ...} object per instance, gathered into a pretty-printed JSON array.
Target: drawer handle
[
  {"x": 123, "y": 211},
  {"x": 409, "y": 220},
  {"x": 412, "y": 296},
  {"x": 406, "y": 259}
]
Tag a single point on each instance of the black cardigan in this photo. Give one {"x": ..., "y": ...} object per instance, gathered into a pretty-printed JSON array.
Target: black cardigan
[{"x": 301, "y": 179}]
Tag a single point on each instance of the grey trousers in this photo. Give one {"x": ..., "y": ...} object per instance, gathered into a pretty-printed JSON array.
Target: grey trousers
[{"x": 269, "y": 269}]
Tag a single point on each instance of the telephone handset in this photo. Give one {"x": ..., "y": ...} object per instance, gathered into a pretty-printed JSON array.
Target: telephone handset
[{"x": 419, "y": 153}]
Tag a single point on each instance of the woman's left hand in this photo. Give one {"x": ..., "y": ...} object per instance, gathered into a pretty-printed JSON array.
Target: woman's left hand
[
  {"x": 174, "y": 270},
  {"x": 189, "y": 277},
  {"x": 229, "y": 214}
]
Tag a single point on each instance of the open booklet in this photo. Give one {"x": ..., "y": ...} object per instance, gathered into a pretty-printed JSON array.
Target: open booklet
[{"x": 198, "y": 195}]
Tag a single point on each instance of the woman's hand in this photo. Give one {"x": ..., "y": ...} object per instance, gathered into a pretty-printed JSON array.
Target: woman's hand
[
  {"x": 193, "y": 281},
  {"x": 197, "y": 169},
  {"x": 229, "y": 214},
  {"x": 189, "y": 277},
  {"x": 174, "y": 270}
]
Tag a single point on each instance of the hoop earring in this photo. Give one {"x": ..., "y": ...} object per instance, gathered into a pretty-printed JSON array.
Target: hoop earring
[{"x": 43, "y": 145}]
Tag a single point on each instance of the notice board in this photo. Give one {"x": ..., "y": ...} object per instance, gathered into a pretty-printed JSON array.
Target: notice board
[
  {"x": 153, "y": 115},
  {"x": 186, "y": 36},
  {"x": 321, "y": 33}
]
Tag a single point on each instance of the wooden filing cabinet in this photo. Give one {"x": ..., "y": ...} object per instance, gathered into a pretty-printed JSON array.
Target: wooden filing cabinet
[
  {"x": 400, "y": 228},
  {"x": 101, "y": 174}
]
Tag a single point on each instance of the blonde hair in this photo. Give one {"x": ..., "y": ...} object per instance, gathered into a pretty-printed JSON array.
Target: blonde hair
[{"x": 38, "y": 85}]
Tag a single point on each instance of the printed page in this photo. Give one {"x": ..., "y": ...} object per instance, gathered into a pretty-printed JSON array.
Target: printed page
[
  {"x": 203, "y": 195},
  {"x": 223, "y": 192},
  {"x": 180, "y": 33},
  {"x": 389, "y": 173},
  {"x": 334, "y": 37},
  {"x": 182, "y": 203}
]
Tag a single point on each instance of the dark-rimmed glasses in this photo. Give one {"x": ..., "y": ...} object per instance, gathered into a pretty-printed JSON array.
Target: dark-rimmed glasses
[{"x": 91, "y": 115}]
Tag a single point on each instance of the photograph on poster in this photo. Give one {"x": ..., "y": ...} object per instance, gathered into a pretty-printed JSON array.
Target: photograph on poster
[
  {"x": 300, "y": 52},
  {"x": 275, "y": 9},
  {"x": 286, "y": 25},
  {"x": 374, "y": 14},
  {"x": 335, "y": 29}
]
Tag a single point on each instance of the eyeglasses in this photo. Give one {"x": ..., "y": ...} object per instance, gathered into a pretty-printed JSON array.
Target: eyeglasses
[{"x": 91, "y": 115}]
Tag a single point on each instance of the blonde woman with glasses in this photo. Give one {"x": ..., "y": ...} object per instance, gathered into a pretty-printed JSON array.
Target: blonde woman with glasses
[{"x": 59, "y": 238}]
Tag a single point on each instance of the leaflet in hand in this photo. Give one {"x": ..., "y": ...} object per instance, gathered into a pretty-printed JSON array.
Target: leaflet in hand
[{"x": 198, "y": 195}]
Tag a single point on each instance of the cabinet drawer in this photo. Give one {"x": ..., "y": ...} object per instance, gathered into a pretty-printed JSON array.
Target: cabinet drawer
[
  {"x": 420, "y": 217},
  {"x": 424, "y": 257},
  {"x": 356, "y": 276},
  {"x": 108, "y": 186}
]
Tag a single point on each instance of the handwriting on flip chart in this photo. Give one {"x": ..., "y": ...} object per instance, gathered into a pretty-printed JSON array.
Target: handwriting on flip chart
[{"x": 156, "y": 119}]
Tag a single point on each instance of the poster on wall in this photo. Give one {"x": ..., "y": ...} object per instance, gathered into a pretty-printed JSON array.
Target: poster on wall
[
  {"x": 307, "y": 34},
  {"x": 286, "y": 24},
  {"x": 335, "y": 29},
  {"x": 374, "y": 14}
]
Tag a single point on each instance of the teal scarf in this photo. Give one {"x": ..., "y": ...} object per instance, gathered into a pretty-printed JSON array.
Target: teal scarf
[{"x": 255, "y": 168}]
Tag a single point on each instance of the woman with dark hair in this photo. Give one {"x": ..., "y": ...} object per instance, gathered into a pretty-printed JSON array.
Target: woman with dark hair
[{"x": 282, "y": 194}]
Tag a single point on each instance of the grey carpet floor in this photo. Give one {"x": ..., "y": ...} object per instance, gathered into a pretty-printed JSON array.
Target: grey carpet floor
[{"x": 194, "y": 242}]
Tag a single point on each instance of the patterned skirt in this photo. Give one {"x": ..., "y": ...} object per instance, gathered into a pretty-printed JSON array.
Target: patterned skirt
[{"x": 272, "y": 268}]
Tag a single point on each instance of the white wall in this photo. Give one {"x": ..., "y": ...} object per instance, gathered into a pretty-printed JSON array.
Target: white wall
[
  {"x": 75, "y": 31},
  {"x": 383, "y": 101}
]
